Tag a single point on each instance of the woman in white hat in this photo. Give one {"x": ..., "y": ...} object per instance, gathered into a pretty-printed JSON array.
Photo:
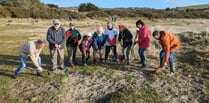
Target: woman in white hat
[{"x": 85, "y": 47}]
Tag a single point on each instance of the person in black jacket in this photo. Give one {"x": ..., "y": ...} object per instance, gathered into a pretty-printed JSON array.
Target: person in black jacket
[{"x": 126, "y": 43}]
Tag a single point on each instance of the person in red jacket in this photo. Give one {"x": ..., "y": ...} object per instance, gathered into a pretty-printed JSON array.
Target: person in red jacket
[
  {"x": 169, "y": 45},
  {"x": 143, "y": 40}
]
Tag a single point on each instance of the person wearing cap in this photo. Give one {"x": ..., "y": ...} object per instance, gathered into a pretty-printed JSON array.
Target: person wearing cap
[
  {"x": 125, "y": 39},
  {"x": 85, "y": 46},
  {"x": 31, "y": 49},
  {"x": 56, "y": 38},
  {"x": 111, "y": 34},
  {"x": 99, "y": 40},
  {"x": 72, "y": 38},
  {"x": 143, "y": 40},
  {"x": 169, "y": 45}
]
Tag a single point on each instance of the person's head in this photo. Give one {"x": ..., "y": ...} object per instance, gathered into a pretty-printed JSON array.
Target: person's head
[
  {"x": 156, "y": 34},
  {"x": 109, "y": 25},
  {"x": 139, "y": 24},
  {"x": 40, "y": 43},
  {"x": 72, "y": 25},
  {"x": 88, "y": 35},
  {"x": 100, "y": 31},
  {"x": 56, "y": 24},
  {"x": 121, "y": 27}
]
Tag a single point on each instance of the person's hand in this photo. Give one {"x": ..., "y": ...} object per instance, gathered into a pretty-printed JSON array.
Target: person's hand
[
  {"x": 59, "y": 46},
  {"x": 135, "y": 42},
  {"x": 56, "y": 45},
  {"x": 165, "y": 65}
]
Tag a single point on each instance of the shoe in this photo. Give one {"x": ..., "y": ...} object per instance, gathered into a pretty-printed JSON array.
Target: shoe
[
  {"x": 72, "y": 65},
  {"x": 128, "y": 63},
  {"x": 143, "y": 66},
  {"x": 172, "y": 74},
  {"x": 53, "y": 68},
  {"x": 85, "y": 64},
  {"x": 14, "y": 76},
  {"x": 62, "y": 67},
  {"x": 40, "y": 75}
]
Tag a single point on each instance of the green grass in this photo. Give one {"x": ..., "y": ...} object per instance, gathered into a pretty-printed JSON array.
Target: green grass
[
  {"x": 194, "y": 7},
  {"x": 17, "y": 26}
]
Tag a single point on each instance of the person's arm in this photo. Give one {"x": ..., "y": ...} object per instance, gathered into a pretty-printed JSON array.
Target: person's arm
[
  {"x": 120, "y": 37},
  {"x": 79, "y": 35},
  {"x": 68, "y": 34},
  {"x": 95, "y": 42},
  {"x": 49, "y": 37},
  {"x": 63, "y": 36},
  {"x": 33, "y": 56}
]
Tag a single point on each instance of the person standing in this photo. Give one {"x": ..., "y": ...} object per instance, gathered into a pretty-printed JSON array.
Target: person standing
[
  {"x": 32, "y": 49},
  {"x": 99, "y": 40},
  {"x": 72, "y": 37},
  {"x": 85, "y": 47},
  {"x": 111, "y": 35},
  {"x": 56, "y": 38},
  {"x": 143, "y": 40},
  {"x": 169, "y": 45},
  {"x": 126, "y": 43}
]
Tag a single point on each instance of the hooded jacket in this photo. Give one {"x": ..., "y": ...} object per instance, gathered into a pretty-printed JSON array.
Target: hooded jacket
[{"x": 143, "y": 37}]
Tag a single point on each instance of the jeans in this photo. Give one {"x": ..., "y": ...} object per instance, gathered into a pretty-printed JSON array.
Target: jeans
[
  {"x": 141, "y": 54},
  {"x": 171, "y": 57},
  {"x": 23, "y": 64}
]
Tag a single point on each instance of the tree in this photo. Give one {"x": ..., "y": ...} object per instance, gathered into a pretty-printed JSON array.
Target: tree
[{"x": 84, "y": 7}]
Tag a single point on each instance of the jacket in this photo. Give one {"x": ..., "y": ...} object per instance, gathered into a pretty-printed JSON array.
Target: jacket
[
  {"x": 72, "y": 37},
  {"x": 126, "y": 36},
  {"x": 98, "y": 41},
  {"x": 56, "y": 37},
  {"x": 111, "y": 37},
  {"x": 143, "y": 37},
  {"x": 85, "y": 44},
  {"x": 169, "y": 43},
  {"x": 29, "y": 49}
]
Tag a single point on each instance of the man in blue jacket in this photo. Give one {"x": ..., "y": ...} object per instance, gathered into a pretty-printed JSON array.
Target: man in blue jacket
[{"x": 56, "y": 38}]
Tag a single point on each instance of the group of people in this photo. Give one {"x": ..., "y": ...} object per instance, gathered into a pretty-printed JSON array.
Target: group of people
[{"x": 101, "y": 39}]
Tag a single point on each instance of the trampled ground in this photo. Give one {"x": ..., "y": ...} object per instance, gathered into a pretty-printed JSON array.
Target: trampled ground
[{"x": 108, "y": 82}]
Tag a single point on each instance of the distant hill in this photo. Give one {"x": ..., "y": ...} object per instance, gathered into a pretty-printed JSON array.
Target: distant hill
[{"x": 195, "y": 7}]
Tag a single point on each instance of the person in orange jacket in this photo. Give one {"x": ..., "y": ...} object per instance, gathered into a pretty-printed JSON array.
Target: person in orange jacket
[{"x": 169, "y": 45}]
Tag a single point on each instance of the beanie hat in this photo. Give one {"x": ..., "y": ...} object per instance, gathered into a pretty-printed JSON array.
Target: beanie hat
[
  {"x": 121, "y": 26},
  {"x": 56, "y": 21},
  {"x": 88, "y": 34}
]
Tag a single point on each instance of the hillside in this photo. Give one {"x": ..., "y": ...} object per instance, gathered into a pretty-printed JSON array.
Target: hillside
[{"x": 194, "y": 7}]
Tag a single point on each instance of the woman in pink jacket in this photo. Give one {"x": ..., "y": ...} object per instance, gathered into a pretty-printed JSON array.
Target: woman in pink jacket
[{"x": 143, "y": 40}]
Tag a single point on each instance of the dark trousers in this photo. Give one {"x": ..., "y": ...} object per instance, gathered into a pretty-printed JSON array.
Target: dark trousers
[{"x": 107, "y": 51}]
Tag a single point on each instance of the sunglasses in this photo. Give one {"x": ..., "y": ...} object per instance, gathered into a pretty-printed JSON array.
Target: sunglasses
[{"x": 56, "y": 24}]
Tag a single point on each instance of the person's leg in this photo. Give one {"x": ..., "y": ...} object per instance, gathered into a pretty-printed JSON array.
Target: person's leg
[
  {"x": 141, "y": 54},
  {"x": 61, "y": 59},
  {"x": 39, "y": 61},
  {"x": 114, "y": 48},
  {"x": 171, "y": 60},
  {"x": 128, "y": 54},
  {"x": 107, "y": 51},
  {"x": 74, "y": 54},
  {"x": 162, "y": 56},
  {"x": 88, "y": 55},
  {"x": 70, "y": 55},
  {"x": 22, "y": 64},
  {"x": 53, "y": 54}
]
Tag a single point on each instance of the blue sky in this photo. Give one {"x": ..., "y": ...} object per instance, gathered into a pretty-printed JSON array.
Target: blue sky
[{"x": 158, "y": 4}]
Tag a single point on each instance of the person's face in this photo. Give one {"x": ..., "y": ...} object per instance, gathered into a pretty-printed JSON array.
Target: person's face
[
  {"x": 57, "y": 26},
  {"x": 41, "y": 46},
  {"x": 72, "y": 26},
  {"x": 89, "y": 38},
  {"x": 121, "y": 29},
  {"x": 157, "y": 37},
  {"x": 139, "y": 26},
  {"x": 109, "y": 25}
]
